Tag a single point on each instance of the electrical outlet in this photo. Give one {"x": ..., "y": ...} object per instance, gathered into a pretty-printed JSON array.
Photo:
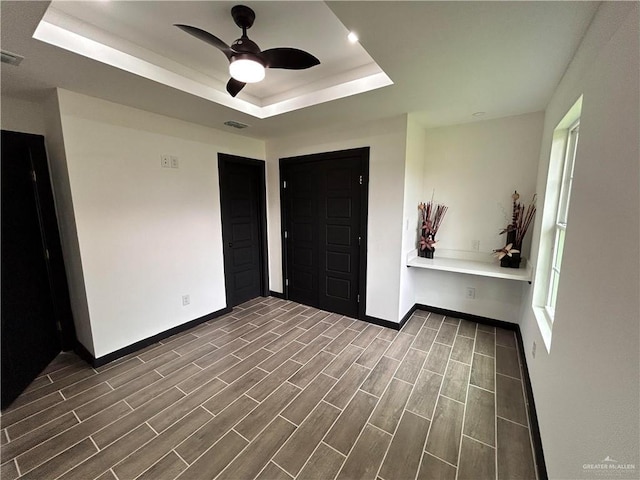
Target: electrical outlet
[
  {"x": 186, "y": 300},
  {"x": 165, "y": 161},
  {"x": 476, "y": 245},
  {"x": 470, "y": 293},
  {"x": 175, "y": 163},
  {"x": 533, "y": 350}
]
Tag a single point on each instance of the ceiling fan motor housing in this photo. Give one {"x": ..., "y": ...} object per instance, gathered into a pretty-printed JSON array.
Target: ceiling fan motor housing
[
  {"x": 243, "y": 16},
  {"x": 245, "y": 45}
]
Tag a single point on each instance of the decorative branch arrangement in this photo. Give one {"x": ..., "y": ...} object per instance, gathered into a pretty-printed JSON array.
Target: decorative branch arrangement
[
  {"x": 431, "y": 215},
  {"x": 520, "y": 221}
]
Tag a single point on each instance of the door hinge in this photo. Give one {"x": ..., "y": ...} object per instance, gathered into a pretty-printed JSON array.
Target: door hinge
[
  {"x": 360, "y": 179},
  {"x": 286, "y": 234},
  {"x": 284, "y": 184},
  {"x": 33, "y": 176},
  {"x": 46, "y": 253},
  {"x": 359, "y": 240},
  {"x": 358, "y": 298},
  {"x": 286, "y": 282}
]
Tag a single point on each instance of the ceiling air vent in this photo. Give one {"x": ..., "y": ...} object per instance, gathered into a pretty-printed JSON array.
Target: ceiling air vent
[
  {"x": 11, "y": 58},
  {"x": 234, "y": 124}
]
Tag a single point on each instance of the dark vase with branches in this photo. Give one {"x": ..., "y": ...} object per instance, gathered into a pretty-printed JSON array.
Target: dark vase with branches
[
  {"x": 431, "y": 216},
  {"x": 510, "y": 254}
]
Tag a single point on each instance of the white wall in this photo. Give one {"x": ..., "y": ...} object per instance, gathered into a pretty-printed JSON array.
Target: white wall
[
  {"x": 21, "y": 115},
  {"x": 387, "y": 140},
  {"x": 147, "y": 235},
  {"x": 496, "y": 298},
  {"x": 587, "y": 387},
  {"x": 474, "y": 168},
  {"x": 43, "y": 118},
  {"x": 66, "y": 221},
  {"x": 413, "y": 194}
]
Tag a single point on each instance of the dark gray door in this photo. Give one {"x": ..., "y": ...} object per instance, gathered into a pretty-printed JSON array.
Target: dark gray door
[
  {"x": 36, "y": 314},
  {"x": 325, "y": 222},
  {"x": 243, "y": 232},
  {"x": 302, "y": 233},
  {"x": 339, "y": 220}
]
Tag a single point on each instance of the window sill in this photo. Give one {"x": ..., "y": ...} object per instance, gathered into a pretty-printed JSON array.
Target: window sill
[{"x": 544, "y": 325}]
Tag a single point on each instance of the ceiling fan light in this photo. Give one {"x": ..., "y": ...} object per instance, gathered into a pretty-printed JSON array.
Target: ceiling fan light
[{"x": 246, "y": 70}]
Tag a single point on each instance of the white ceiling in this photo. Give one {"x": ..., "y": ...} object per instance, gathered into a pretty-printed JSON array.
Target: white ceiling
[
  {"x": 140, "y": 38},
  {"x": 447, "y": 60}
]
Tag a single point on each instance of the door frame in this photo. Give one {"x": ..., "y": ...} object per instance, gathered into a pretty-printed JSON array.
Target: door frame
[
  {"x": 51, "y": 239},
  {"x": 259, "y": 167},
  {"x": 363, "y": 154}
]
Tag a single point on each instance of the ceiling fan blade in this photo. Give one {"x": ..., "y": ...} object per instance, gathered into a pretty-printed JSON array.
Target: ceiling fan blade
[
  {"x": 207, "y": 37},
  {"x": 234, "y": 86},
  {"x": 289, "y": 58}
]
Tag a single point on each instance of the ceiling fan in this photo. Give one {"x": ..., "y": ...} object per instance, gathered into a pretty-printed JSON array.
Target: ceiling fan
[{"x": 247, "y": 63}]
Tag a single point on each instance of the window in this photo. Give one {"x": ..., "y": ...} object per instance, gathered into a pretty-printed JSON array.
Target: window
[
  {"x": 554, "y": 221},
  {"x": 561, "y": 220}
]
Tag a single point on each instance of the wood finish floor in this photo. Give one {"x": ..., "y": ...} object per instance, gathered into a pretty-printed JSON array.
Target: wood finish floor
[{"x": 278, "y": 390}]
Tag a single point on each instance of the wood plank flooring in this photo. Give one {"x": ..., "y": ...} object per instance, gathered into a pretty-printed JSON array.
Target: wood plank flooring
[{"x": 278, "y": 390}]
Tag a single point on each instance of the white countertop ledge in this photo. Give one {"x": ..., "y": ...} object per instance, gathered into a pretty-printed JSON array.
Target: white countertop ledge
[{"x": 472, "y": 267}]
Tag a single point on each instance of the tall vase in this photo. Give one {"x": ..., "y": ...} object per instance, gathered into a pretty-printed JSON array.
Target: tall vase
[
  {"x": 514, "y": 260},
  {"x": 430, "y": 251}
]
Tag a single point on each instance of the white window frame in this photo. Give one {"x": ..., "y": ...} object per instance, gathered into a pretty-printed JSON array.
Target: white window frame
[
  {"x": 561, "y": 220},
  {"x": 552, "y": 219}
]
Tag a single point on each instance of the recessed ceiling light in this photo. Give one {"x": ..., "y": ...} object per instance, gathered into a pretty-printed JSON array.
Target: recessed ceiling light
[
  {"x": 352, "y": 37},
  {"x": 479, "y": 114}
]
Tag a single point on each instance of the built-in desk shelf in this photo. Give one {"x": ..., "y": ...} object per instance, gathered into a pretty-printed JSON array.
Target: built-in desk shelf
[{"x": 472, "y": 267}]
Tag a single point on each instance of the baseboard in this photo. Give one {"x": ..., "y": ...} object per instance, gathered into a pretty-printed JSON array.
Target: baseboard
[
  {"x": 276, "y": 294},
  {"x": 84, "y": 354},
  {"x": 110, "y": 357},
  {"x": 389, "y": 324},
  {"x": 533, "y": 416},
  {"x": 468, "y": 316},
  {"x": 382, "y": 322},
  {"x": 407, "y": 315}
]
